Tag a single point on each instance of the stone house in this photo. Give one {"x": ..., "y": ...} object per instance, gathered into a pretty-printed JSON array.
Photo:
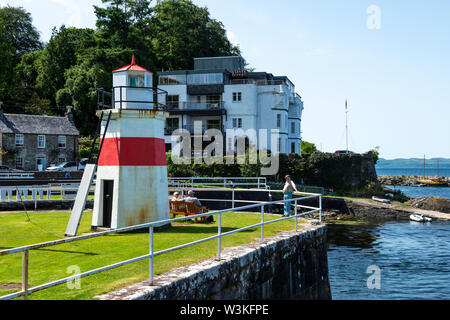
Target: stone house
[{"x": 35, "y": 142}]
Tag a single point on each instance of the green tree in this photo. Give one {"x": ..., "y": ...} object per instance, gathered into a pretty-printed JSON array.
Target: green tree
[
  {"x": 59, "y": 56},
  {"x": 126, "y": 24},
  {"x": 6, "y": 65},
  {"x": 308, "y": 147},
  {"x": 20, "y": 29},
  {"x": 92, "y": 71},
  {"x": 182, "y": 31}
]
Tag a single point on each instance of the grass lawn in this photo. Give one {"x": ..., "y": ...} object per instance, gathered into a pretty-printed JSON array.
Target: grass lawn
[{"x": 51, "y": 263}]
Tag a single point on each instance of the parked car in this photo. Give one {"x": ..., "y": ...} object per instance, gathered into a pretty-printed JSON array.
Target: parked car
[
  {"x": 68, "y": 166},
  {"x": 7, "y": 169}
]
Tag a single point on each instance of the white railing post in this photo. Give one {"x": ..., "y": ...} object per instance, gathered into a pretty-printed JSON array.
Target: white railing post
[
  {"x": 296, "y": 218},
  {"x": 262, "y": 224},
  {"x": 320, "y": 208},
  {"x": 219, "y": 239},
  {"x": 151, "y": 255},
  {"x": 232, "y": 197},
  {"x": 25, "y": 274}
]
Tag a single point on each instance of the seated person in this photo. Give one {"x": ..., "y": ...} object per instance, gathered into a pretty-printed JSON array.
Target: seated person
[
  {"x": 191, "y": 198},
  {"x": 176, "y": 197}
]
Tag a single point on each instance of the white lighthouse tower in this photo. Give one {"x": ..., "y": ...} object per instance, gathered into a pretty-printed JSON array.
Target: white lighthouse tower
[{"x": 131, "y": 185}]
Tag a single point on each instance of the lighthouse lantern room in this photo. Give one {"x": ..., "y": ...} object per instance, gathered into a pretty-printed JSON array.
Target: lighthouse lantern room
[{"x": 131, "y": 185}]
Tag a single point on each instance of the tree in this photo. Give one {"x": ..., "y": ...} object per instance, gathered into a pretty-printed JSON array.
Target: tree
[
  {"x": 126, "y": 24},
  {"x": 6, "y": 65},
  {"x": 92, "y": 71},
  {"x": 308, "y": 147},
  {"x": 182, "y": 31},
  {"x": 59, "y": 56},
  {"x": 20, "y": 29}
]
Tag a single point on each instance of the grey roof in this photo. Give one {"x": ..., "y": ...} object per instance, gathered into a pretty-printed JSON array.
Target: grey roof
[{"x": 36, "y": 124}]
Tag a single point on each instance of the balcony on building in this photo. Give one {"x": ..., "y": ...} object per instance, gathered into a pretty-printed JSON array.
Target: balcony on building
[{"x": 173, "y": 124}]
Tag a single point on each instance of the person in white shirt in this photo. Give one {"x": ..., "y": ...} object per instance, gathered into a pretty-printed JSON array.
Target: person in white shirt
[
  {"x": 289, "y": 188},
  {"x": 176, "y": 197}
]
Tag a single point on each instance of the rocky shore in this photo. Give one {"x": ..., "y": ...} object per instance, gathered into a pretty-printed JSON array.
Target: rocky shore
[
  {"x": 352, "y": 209},
  {"x": 431, "y": 203}
]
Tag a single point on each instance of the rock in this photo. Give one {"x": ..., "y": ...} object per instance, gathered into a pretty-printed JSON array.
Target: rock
[{"x": 431, "y": 203}]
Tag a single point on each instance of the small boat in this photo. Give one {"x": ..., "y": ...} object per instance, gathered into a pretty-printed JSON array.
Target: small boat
[
  {"x": 380, "y": 200},
  {"x": 420, "y": 218},
  {"x": 432, "y": 182}
]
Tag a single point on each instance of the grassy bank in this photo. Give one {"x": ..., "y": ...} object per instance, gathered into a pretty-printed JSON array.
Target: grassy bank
[{"x": 48, "y": 264}]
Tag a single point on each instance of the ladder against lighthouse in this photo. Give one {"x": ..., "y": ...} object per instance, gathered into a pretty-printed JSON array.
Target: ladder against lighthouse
[{"x": 86, "y": 180}]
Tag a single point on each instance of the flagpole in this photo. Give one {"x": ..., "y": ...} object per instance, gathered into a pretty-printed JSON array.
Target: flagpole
[{"x": 346, "y": 126}]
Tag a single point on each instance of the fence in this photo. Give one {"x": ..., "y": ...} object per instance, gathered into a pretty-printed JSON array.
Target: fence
[
  {"x": 26, "y": 291},
  {"x": 249, "y": 182},
  {"x": 302, "y": 188},
  {"x": 16, "y": 175},
  {"x": 39, "y": 193}
]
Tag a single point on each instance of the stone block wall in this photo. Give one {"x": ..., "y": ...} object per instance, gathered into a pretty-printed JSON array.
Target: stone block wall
[{"x": 288, "y": 266}]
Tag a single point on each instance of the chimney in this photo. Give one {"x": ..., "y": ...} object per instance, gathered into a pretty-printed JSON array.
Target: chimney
[{"x": 69, "y": 114}]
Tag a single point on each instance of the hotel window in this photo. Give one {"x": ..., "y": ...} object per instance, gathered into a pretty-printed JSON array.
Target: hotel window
[
  {"x": 19, "y": 163},
  {"x": 293, "y": 147},
  {"x": 213, "y": 124},
  {"x": 212, "y": 102},
  {"x": 62, "y": 142},
  {"x": 278, "y": 120},
  {"x": 61, "y": 160},
  {"x": 279, "y": 145},
  {"x": 41, "y": 142},
  {"x": 237, "y": 96},
  {"x": 19, "y": 140},
  {"x": 286, "y": 122},
  {"x": 173, "y": 101},
  {"x": 292, "y": 127},
  {"x": 172, "y": 124},
  {"x": 237, "y": 122}
]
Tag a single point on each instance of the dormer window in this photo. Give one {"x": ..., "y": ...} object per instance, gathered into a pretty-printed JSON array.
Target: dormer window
[{"x": 137, "y": 81}]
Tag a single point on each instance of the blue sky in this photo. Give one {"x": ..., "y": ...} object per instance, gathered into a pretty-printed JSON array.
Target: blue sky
[{"x": 396, "y": 78}]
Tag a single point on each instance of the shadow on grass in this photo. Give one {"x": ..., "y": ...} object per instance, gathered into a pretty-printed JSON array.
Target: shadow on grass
[
  {"x": 54, "y": 250},
  {"x": 186, "y": 228}
]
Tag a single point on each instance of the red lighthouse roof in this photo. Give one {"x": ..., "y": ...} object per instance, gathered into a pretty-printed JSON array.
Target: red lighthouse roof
[{"x": 132, "y": 67}]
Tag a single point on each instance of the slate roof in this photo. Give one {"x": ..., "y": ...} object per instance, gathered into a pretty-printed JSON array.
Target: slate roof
[{"x": 36, "y": 124}]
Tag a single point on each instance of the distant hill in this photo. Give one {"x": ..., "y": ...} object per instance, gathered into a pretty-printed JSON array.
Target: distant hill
[{"x": 413, "y": 163}]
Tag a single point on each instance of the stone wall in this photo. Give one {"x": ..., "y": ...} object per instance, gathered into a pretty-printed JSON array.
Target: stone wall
[{"x": 288, "y": 266}]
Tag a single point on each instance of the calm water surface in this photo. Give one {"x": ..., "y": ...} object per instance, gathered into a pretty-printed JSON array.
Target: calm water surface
[
  {"x": 416, "y": 192},
  {"x": 414, "y": 259}
]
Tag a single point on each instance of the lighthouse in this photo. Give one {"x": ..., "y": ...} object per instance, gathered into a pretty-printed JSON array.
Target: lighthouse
[{"x": 131, "y": 184}]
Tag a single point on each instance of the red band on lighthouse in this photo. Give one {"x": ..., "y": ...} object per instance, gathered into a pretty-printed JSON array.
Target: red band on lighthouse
[{"x": 133, "y": 152}]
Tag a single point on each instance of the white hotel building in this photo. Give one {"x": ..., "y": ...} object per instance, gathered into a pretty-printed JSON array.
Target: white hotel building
[{"x": 221, "y": 94}]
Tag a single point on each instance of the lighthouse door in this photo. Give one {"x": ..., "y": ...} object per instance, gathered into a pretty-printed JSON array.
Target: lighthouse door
[{"x": 108, "y": 187}]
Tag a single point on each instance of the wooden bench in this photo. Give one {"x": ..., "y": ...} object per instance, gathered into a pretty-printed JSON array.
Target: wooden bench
[{"x": 186, "y": 208}]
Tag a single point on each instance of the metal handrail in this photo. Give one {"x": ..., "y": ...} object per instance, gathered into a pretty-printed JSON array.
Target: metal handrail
[
  {"x": 221, "y": 181},
  {"x": 26, "y": 249},
  {"x": 120, "y": 101}
]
